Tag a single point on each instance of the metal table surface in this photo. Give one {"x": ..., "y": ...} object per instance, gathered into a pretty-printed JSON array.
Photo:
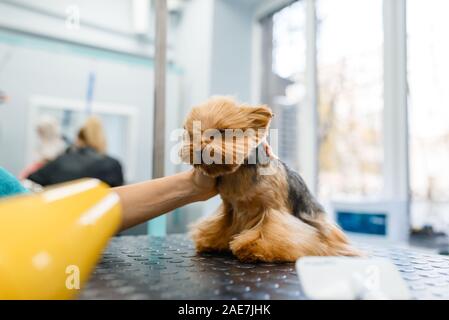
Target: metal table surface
[{"x": 146, "y": 267}]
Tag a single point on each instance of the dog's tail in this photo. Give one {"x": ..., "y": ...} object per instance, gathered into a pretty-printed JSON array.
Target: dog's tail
[{"x": 337, "y": 244}]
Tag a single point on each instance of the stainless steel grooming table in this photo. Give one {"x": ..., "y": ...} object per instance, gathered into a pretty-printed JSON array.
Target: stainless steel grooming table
[{"x": 145, "y": 267}]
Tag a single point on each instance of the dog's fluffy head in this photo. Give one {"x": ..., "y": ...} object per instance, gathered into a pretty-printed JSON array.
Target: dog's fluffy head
[{"x": 221, "y": 133}]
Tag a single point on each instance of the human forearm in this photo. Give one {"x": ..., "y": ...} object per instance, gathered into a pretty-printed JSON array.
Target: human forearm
[{"x": 147, "y": 200}]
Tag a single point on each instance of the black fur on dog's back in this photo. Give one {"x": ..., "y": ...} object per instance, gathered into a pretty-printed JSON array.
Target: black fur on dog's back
[{"x": 303, "y": 203}]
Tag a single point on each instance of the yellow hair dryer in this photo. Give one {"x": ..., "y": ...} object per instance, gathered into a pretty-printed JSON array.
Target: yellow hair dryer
[{"x": 51, "y": 241}]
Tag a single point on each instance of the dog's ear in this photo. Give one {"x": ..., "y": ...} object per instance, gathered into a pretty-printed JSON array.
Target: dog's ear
[{"x": 258, "y": 117}]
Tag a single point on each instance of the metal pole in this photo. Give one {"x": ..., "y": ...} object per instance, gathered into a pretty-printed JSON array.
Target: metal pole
[
  {"x": 160, "y": 59},
  {"x": 158, "y": 226}
]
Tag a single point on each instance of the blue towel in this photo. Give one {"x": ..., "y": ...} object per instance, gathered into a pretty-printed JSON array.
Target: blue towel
[{"x": 9, "y": 185}]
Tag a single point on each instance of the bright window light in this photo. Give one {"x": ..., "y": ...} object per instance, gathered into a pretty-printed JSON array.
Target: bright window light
[
  {"x": 428, "y": 67},
  {"x": 350, "y": 84}
]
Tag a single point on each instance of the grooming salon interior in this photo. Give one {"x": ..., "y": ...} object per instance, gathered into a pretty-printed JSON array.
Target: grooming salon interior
[{"x": 94, "y": 97}]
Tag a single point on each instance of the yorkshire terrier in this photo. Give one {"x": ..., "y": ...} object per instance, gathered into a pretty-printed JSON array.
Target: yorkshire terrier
[{"x": 267, "y": 212}]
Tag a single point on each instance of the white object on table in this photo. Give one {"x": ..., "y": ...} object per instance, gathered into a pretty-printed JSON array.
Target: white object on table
[{"x": 349, "y": 278}]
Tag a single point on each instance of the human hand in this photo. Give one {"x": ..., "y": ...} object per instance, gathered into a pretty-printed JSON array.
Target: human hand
[
  {"x": 268, "y": 150},
  {"x": 204, "y": 187}
]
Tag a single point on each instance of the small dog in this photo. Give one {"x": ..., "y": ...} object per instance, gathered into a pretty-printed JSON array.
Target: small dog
[{"x": 267, "y": 213}]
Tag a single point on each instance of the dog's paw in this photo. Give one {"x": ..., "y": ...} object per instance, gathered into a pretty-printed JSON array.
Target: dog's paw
[
  {"x": 200, "y": 248},
  {"x": 246, "y": 253},
  {"x": 206, "y": 244},
  {"x": 251, "y": 252}
]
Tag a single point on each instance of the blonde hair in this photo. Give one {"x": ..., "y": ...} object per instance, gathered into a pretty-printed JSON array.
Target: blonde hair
[{"x": 92, "y": 134}]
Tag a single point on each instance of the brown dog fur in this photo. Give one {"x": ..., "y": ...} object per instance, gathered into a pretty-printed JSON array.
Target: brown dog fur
[{"x": 255, "y": 220}]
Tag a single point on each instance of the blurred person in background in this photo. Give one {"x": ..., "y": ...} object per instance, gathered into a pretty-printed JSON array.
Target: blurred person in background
[
  {"x": 50, "y": 145},
  {"x": 85, "y": 159}
]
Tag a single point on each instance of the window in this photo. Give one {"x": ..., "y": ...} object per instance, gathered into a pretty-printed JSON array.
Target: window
[
  {"x": 286, "y": 80},
  {"x": 350, "y": 98},
  {"x": 428, "y": 67},
  {"x": 354, "y": 162},
  {"x": 289, "y": 41}
]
